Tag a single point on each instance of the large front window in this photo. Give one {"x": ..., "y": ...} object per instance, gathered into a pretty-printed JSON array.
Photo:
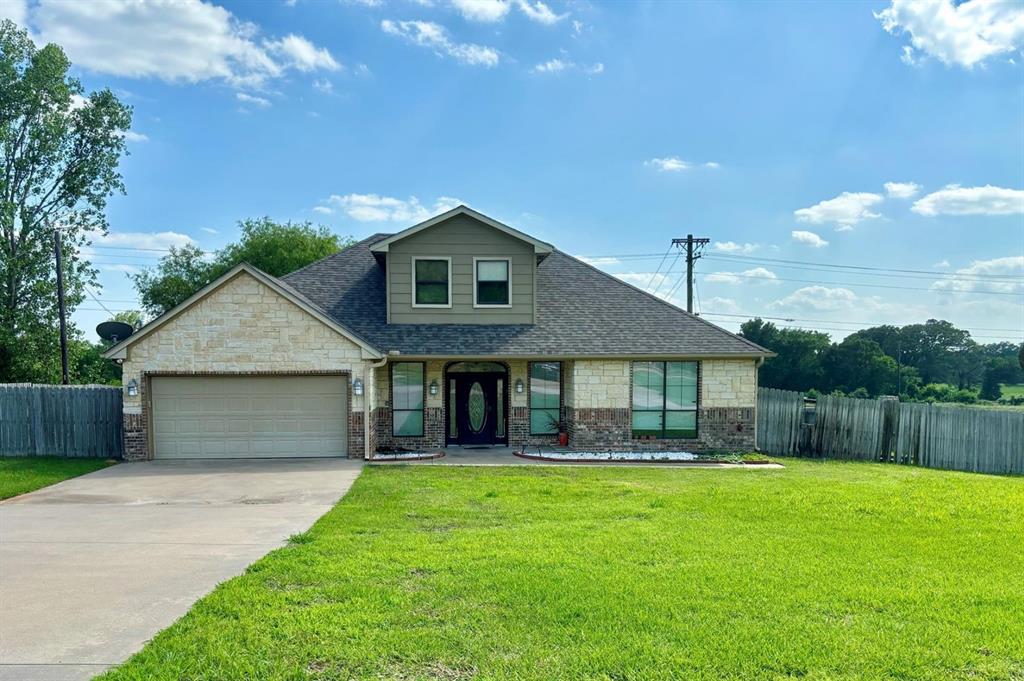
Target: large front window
[
  {"x": 407, "y": 399},
  {"x": 492, "y": 283},
  {"x": 545, "y": 397},
  {"x": 431, "y": 282},
  {"x": 665, "y": 399}
]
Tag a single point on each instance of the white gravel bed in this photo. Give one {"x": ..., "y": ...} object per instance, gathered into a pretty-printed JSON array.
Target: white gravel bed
[
  {"x": 613, "y": 456},
  {"x": 406, "y": 456}
]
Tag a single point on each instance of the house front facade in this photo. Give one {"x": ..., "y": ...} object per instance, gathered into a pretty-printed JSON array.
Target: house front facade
[{"x": 459, "y": 331}]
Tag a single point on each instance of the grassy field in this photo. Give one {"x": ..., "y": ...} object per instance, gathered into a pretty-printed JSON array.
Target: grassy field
[
  {"x": 21, "y": 474},
  {"x": 818, "y": 571},
  {"x": 1012, "y": 390}
]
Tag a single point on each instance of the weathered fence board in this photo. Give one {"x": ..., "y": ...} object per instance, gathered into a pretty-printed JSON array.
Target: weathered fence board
[
  {"x": 56, "y": 420},
  {"x": 956, "y": 438}
]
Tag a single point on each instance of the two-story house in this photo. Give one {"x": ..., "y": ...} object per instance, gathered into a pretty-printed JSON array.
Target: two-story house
[{"x": 457, "y": 331}]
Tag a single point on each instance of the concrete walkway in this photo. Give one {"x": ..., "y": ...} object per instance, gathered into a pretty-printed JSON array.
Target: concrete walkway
[{"x": 93, "y": 567}]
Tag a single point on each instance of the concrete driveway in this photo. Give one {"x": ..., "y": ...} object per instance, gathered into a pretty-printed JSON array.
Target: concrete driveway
[{"x": 93, "y": 567}]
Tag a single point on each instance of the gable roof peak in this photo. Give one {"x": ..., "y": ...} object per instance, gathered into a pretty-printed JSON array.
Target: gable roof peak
[{"x": 540, "y": 247}]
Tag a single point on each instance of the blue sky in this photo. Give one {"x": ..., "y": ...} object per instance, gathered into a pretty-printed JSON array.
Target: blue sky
[{"x": 877, "y": 134}]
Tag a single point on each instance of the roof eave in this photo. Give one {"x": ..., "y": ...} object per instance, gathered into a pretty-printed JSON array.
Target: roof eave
[{"x": 539, "y": 247}]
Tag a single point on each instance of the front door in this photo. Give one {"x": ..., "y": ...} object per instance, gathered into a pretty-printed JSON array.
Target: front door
[{"x": 479, "y": 413}]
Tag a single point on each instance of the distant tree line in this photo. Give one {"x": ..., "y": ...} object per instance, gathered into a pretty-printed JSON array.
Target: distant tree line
[{"x": 934, "y": 362}]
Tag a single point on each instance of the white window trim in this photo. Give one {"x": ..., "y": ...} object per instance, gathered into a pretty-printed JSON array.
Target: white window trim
[
  {"x": 493, "y": 259},
  {"x": 413, "y": 277}
]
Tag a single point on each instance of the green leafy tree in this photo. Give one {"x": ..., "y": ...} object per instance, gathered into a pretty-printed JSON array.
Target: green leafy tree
[
  {"x": 273, "y": 247},
  {"x": 798, "y": 364},
  {"x": 60, "y": 152},
  {"x": 858, "y": 363}
]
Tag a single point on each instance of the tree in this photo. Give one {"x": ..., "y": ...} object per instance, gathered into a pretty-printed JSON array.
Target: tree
[
  {"x": 60, "y": 152},
  {"x": 797, "y": 365},
  {"x": 860, "y": 363},
  {"x": 276, "y": 248}
]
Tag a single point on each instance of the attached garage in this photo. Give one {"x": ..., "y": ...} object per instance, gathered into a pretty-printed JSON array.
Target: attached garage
[{"x": 227, "y": 417}]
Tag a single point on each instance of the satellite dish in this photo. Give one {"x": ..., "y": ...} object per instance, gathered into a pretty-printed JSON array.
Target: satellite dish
[{"x": 114, "y": 331}]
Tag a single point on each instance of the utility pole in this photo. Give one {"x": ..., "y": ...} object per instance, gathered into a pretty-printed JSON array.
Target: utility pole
[
  {"x": 694, "y": 246},
  {"x": 64, "y": 378}
]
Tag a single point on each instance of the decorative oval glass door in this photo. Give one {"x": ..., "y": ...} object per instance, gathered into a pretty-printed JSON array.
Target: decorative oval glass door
[{"x": 477, "y": 407}]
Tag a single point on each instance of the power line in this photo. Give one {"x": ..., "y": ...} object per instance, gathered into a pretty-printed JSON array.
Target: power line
[
  {"x": 851, "y": 330},
  {"x": 744, "y": 315},
  {"x": 950, "y": 276},
  {"x": 659, "y": 267}
]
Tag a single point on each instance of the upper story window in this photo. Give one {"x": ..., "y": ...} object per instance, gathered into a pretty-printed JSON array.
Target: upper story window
[
  {"x": 665, "y": 399},
  {"x": 432, "y": 282},
  {"x": 491, "y": 282}
]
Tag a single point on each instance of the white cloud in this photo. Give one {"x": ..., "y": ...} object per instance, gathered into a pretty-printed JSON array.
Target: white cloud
[
  {"x": 132, "y": 136},
  {"x": 720, "y": 305},
  {"x": 984, "y": 275},
  {"x": 733, "y": 247},
  {"x": 15, "y": 10},
  {"x": 260, "y": 102},
  {"x": 598, "y": 262},
  {"x": 552, "y": 66},
  {"x": 323, "y": 85},
  {"x": 577, "y": 27},
  {"x": 303, "y": 55},
  {"x": 845, "y": 210},
  {"x": 209, "y": 230},
  {"x": 187, "y": 40},
  {"x": 539, "y": 12},
  {"x": 670, "y": 164},
  {"x": 757, "y": 275},
  {"x": 808, "y": 238},
  {"x": 434, "y": 36},
  {"x": 559, "y": 65},
  {"x": 323, "y": 210},
  {"x": 956, "y": 200},
  {"x": 713, "y": 165},
  {"x": 818, "y": 298},
  {"x": 963, "y": 34},
  {"x": 493, "y": 11},
  {"x": 484, "y": 11},
  {"x": 143, "y": 240},
  {"x": 376, "y": 208},
  {"x": 942, "y": 264},
  {"x": 660, "y": 282},
  {"x": 901, "y": 190},
  {"x": 117, "y": 267}
]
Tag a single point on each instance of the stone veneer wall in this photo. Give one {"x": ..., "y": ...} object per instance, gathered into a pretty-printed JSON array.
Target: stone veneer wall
[
  {"x": 243, "y": 327},
  {"x": 600, "y": 416}
]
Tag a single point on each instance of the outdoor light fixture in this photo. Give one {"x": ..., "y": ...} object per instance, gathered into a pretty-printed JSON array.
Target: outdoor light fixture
[
  {"x": 357, "y": 386},
  {"x": 519, "y": 385},
  {"x": 433, "y": 387},
  {"x": 133, "y": 388}
]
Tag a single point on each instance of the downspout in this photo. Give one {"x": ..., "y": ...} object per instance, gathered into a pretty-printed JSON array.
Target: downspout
[
  {"x": 757, "y": 370},
  {"x": 367, "y": 407}
]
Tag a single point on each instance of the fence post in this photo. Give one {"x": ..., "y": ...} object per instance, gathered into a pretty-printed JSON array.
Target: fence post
[
  {"x": 890, "y": 427},
  {"x": 37, "y": 419}
]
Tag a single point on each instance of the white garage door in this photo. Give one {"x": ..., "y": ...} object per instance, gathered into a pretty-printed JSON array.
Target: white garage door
[{"x": 206, "y": 417}]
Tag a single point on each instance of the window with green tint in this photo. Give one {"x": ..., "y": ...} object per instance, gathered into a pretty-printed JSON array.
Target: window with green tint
[
  {"x": 545, "y": 397},
  {"x": 407, "y": 399},
  {"x": 431, "y": 282},
  {"x": 665, "y": 399},
  {"x": 492, "y": 282}
]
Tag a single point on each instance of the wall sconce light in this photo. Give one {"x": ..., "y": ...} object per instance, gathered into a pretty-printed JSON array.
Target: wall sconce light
[
  {"x": 519, "y": 385},
  {"x": 133, "y": 388},
  {"x": 433, "y": 387},
  {"x": 357, "y": 386}
]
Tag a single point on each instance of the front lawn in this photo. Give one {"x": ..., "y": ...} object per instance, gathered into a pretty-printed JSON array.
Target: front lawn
[
  {"x": 821, "y": 570},
  {"x": 21, "y": 474}
]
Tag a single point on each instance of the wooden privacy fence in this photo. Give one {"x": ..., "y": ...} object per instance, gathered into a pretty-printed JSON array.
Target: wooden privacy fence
[
  {"x": 58, "y": 420},
  {"x": 957, "y": 438}
]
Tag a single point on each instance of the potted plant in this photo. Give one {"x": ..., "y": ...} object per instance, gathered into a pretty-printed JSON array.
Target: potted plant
[{"x": 559, "y": 425}]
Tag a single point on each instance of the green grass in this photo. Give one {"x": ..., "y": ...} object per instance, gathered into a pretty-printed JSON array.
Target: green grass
[
  {"x": 1012, "y": 390},
  {"x": 818, "y": 571},
  {"x": 21, "y": 474}
]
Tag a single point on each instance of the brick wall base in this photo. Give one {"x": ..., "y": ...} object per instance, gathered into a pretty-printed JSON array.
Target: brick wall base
[
  {"x": 433, "y": 431},
  {"x": 136, "y": 445},
  {"x": 719, "y": 429}
]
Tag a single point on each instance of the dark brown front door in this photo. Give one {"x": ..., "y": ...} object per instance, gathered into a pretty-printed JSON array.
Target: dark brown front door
[{"x": 479, "y": 417}]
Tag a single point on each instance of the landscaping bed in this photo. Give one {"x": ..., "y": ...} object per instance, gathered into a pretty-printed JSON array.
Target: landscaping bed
[{"x": 682, "y": 458}]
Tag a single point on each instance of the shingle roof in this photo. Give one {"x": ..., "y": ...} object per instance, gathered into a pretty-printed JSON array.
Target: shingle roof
[{"x": 581, "y": 311}]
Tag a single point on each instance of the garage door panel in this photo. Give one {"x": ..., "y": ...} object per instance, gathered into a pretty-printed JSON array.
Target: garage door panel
[{"x": 238, "y": 417}]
